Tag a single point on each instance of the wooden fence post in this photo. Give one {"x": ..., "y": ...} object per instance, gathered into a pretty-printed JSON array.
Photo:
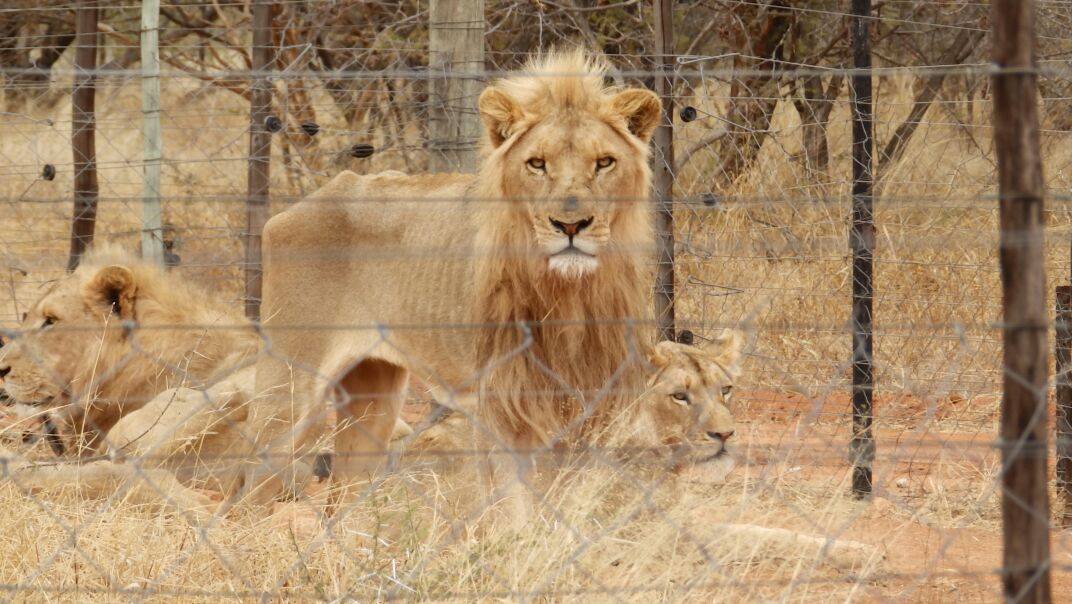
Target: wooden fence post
[
  {"x": 862, "y": 241},
  {"x": 664, "y": 171},
  {"x": 1063, "y": 394},
  {"x": 1025, "y": 501},
  {"x": 260, "y": 147},
  {"x": 152, "y": 243},
  {"x": 83, "y": 126},
  {"x": 456, "y": 60}
]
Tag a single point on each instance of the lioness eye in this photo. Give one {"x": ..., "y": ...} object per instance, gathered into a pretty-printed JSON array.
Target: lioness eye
[
  {"x": 726, "y": 390},
  {"x": 536, "y": 163},
  {"x": 604, "y": 162},
  {"x": 48, "y": 322},
  {"x": 681, "y": 397}
]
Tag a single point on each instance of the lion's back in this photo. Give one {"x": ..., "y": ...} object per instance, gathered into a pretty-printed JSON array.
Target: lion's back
[{"x": 380, "y": 249}]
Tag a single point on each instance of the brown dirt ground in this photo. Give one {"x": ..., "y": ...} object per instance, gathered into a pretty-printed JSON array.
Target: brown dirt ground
[{"x": 922, "y": 447}]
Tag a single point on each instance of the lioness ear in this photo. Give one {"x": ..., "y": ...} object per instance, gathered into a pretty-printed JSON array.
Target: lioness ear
[
  {"x": 726, "y": 347},
  {"x": 112, "y": 288},
  {"x": 641, "y": 109},
  {"x": 500, "y": 114},
  {"x": 659, "y": 356}
]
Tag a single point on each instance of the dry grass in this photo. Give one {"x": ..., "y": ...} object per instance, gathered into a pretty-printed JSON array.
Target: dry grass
[
  {"x": 598, "y": 534},
  {"x": 773, "y": 257}
]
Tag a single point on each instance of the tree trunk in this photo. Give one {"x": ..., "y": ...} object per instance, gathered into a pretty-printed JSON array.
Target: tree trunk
[
  {"x": 756, "y": 96},
  {"x": 814, "y": 106}
]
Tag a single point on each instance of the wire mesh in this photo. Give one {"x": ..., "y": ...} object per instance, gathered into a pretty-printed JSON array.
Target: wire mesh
[{"x": 153, "y": 506}]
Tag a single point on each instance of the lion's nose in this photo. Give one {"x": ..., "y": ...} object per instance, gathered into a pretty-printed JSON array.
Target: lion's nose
[
  {"x": 723, "y": 436},
  {"x": 571, "y": 229}
]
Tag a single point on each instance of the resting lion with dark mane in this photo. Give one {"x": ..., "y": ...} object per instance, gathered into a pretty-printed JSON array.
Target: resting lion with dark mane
[{"x": 523, "y": 284}]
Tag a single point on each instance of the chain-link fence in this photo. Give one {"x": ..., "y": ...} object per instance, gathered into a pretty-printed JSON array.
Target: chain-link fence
[{"x": 158, "y": 445}]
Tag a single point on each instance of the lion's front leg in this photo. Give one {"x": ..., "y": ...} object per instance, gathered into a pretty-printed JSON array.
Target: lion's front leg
[{"x": 508, "y": 471}]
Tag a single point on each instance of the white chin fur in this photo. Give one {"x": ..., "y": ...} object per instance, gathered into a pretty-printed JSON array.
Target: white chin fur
[{"x": 573, "y": 266}]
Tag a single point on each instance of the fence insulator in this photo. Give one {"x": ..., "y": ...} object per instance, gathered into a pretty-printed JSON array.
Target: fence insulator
[
  {"x": 362, "y": 150},
  {"x": 709, "y": 199},
  {"x": 310, "y": 128},
  {"x": 687, "y": 114},
  {"x": 273, "y": 124},
  {"x": 48, "y": 172}
]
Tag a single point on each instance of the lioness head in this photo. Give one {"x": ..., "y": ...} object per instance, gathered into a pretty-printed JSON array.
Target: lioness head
[
  {"x": 690, "y": 394},
  {"x": 572, "y": 155},
  {"x": 51, "y": 355},
  {"x": 104, "y": 339}
]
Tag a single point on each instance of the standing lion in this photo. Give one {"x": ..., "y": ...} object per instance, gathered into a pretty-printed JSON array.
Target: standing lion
[{"x": 523, "y": 284}]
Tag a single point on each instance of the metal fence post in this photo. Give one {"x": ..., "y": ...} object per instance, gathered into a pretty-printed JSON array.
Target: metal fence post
[
  {"x": 1025, "y": 500},
  {"x": 152, "y": 244},
  {"x": 862, "y": 242},
  {"x": 664, "y": 171},
  {"x": 1063, "y": 394},
  {"x": 456, "y": 57},
  {"x": 260, "y": 147},
  {"x": 83, "y": 132}
]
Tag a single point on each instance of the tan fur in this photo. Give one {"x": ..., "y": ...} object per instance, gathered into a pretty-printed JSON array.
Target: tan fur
[
  {"x": 695, "y": 430},
  {"x": 138, "y": 364},
  {"x": 686, "y": 435},
  {"x": 474, "y": 285},
  {"x": 122, "y": 331},
  {"x": 135, "y": 363}
]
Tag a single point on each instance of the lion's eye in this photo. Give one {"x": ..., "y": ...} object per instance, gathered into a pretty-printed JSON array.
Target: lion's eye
[
  {"x": 537, "y": 164},
  {"x": 681, "y": 397},
  {"x": 604, "y": 162},
  {"x": 48, "y": 322},
  {"x": 726, "y": 390}
]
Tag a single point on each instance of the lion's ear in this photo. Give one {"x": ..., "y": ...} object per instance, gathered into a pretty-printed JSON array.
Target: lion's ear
[
  {"x": 112, "y": 288},
  {"x": 500, "y": 114},
  {"x": 641, "y": 109},
  {"x": 660, "y": 354},
  {"x": 726, "y": 347}
]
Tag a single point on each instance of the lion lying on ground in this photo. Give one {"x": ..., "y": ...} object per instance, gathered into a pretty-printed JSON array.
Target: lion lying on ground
[
  {"x": 682, "y": 420},
  {"x": 524, "y": 283},
  {"x": 134, "y": 363}
]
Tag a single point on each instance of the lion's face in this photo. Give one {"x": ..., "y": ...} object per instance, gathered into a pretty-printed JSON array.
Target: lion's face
[
  {"x": 690, "y": 396},
  {"x": 573, "y": 159},
  {"x": 573, "y": 175},
  {"x": 64, "y": 342}
]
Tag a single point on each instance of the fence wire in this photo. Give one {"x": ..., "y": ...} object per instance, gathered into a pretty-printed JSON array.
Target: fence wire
[{"x": 130, "y": 442}]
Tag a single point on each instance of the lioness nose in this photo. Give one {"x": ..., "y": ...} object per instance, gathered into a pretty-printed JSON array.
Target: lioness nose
[
  {"x": 723, "y": 436},
  {"x": 571, "y": 228}
]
